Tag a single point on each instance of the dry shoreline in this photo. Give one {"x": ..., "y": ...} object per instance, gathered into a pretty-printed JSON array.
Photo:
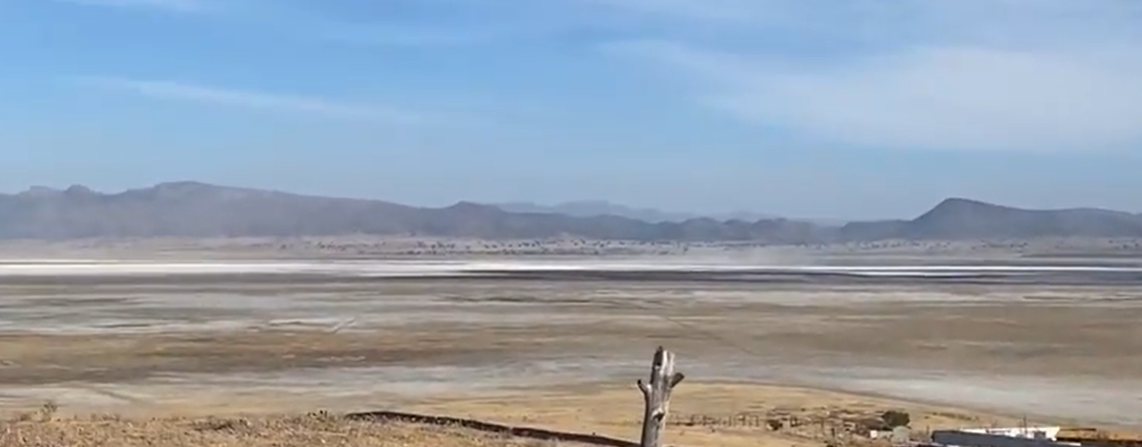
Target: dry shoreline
[{"x": 234, "y": 343}]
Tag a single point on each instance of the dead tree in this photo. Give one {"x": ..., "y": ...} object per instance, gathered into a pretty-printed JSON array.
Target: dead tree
[{"x": 656, "y": 394}]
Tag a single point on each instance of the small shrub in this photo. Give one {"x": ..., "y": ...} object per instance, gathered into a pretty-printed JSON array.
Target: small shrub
[
  {"x": 48, "y": 411},
  {"x": 895, "y": 418}
]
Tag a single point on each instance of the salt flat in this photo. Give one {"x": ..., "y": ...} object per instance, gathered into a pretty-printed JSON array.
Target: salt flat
[
  {"x": 421, "y": 268},
  {"x": 1045, "y": 341}
]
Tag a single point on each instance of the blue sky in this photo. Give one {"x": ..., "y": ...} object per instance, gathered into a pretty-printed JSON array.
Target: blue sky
[{"x": 814, "y": 108}]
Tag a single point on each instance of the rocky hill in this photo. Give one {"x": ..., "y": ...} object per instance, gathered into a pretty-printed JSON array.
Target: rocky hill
[{"x": 961, "y": 219}]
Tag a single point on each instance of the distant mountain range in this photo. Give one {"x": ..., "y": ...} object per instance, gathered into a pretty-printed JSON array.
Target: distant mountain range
[
  {"x": 592, "y": 208},
  {"x": 192, "y": 209}
]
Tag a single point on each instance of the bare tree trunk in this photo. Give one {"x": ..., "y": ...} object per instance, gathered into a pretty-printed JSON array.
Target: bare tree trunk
[{"x": 656, "y": 394}]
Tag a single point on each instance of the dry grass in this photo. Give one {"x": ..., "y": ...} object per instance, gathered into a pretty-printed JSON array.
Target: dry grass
[
  {"x": 710, "y": 414},
  {"x": 278, "y": 431},
  {"x": 702, "y": 414},
  {"x": 723, "y": 415}
]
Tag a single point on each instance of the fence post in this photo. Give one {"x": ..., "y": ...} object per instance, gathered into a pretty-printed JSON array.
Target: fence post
[{"x": 656, "y": 394}]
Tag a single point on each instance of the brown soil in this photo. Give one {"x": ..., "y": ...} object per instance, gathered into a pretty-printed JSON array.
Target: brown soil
[
  {"x": 279, "y": 431},
  {"x": 715, "y": 414},
  {"x": 1054, "y": 344},
  {"x": 701, "y": 415}
]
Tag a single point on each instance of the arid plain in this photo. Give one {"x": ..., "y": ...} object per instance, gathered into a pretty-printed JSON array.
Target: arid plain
[{"x": 559, "y": 343}]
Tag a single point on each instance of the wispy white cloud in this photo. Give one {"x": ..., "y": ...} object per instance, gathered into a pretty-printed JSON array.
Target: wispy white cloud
[
  {"x": 933, "y": 16},
  {"x": 398, "y": 35},
  {"x": 169, "y": 90},
  {"x": 929, "y": 97},
  {"x": 182, "y": 6},
  {"x": 308, "y": 20},
  {"x": 955, "y": 74},
  {"x": 717, "y": 10}
]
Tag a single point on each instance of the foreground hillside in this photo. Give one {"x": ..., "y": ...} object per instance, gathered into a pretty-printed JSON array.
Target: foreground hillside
[
  {"x": 191, "y": 209},
  {"x": 722, "y": 415},
  {"x": 288, "y": 431}
]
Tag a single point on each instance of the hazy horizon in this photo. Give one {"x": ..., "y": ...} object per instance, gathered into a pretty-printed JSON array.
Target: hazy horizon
[{"x": 676, "y": 214}]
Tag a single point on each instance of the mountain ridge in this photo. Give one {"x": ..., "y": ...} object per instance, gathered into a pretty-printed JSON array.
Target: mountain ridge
[
  {"x": 196, "y": 209},
  {"x": 590, "y": 208}
]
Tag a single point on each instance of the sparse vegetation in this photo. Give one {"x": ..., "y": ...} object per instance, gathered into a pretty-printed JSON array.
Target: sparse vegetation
[
  {"x": 312, "y": 430},
  {"x": 895, "y": 418}
]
